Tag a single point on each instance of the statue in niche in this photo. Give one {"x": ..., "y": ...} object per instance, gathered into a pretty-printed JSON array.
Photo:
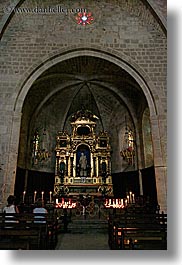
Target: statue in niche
[
  {"x": 83, "y": 166},
  {"x": 62, "y": 169},
  {"x": 104, "y": 172}
]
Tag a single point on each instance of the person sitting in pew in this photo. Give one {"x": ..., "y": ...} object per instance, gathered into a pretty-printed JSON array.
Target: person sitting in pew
[
  {"x": 11, "y": 207},
  {"x": 39, "y": 209}
]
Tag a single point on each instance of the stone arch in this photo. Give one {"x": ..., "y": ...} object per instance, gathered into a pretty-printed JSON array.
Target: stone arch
[
  {"x": 9, "y": 13},
  {"x": 34, "y": 73},
  {"x": 107, "y": 54},
  {"x": 110, "y": 55}
]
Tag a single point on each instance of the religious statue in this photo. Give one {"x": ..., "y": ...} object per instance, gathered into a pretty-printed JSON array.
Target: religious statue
[
  {"x": 62, "y": 167},
  {"x": 83, "y": 165},
  {"x": 104, "y": 172},
  {"x": 62, "y": 170}
]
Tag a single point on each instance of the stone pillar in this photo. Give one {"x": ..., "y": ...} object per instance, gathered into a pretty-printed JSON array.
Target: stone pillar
[
  {"x": 12, "y": 155},
  {"x": 159, "y": 163},
  {"x": 140, "y": 182},
  {"x": 161, "y": 185},
  {"x": 138, "y": 145}
]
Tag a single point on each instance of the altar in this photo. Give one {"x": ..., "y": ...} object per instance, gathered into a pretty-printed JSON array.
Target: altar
[{"x": 83, "y": 158}]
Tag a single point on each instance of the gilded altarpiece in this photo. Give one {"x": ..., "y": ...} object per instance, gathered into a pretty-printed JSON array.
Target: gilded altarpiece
[{"x": 83, "y": 159}]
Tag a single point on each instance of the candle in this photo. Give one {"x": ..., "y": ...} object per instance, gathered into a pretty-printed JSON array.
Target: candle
[
  {"x": 128, "y": 198},
  {"x": 126, "y": 202},
  {"x": 83, "y": 210},
  {"x": 34, "y": 196},
  {"x": 50, "y": 199},
  {"x": 24, "y": 196},
  {"x": 42, "y": 195},
  {"x": 56, "y": 201},
  {"x": 133, "y": 200},
  {"x": 121, "y": 201},
  {"x": 62, "y": 200}
]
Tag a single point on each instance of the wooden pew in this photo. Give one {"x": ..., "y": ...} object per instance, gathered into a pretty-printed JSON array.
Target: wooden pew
[
  {"x": 137, "y": 231},
  {"x": 24, "y": 231}
]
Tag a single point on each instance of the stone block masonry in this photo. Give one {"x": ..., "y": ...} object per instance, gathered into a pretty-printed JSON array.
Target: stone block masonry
[{"x": 127, "y": 28}]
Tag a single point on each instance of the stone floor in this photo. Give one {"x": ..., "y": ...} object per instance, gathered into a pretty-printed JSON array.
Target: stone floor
[
  {"x": 84, "y": 235},
  {"x": 69, "y": 241}
]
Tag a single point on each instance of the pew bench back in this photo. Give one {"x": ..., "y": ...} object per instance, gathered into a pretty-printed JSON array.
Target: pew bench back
[
  {"x": 142, "y": 232},
  {"x": 24, "y": 231}
]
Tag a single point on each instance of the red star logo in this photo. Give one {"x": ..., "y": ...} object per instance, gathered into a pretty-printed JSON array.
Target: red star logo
[{"x": 84, "y": 18}]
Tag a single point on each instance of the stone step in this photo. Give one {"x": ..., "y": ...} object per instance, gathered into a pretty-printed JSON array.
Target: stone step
[{"x": 88, "y": 226}]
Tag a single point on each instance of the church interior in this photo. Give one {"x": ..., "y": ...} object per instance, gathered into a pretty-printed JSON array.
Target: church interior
[{"x": 83, "y": 125}]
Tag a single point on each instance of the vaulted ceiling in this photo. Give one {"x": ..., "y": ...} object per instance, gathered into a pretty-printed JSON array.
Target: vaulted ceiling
[{"x": 85, "y": 80}]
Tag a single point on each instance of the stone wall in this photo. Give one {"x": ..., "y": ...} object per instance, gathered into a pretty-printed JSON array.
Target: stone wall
[{"x": 127, "y": 28}]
